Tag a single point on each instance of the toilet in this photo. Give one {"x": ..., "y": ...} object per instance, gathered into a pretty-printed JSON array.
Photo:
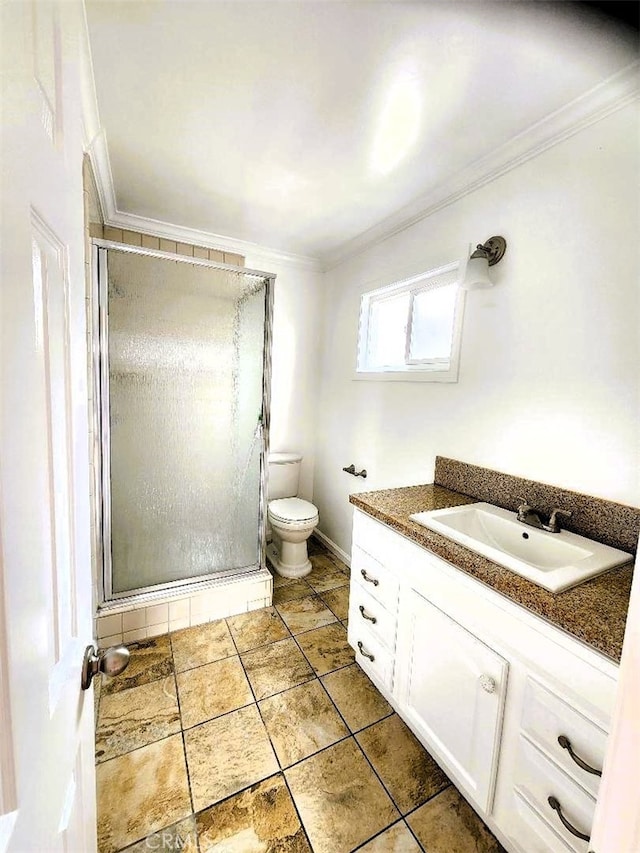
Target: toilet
[{"x": 292, "y": 520}]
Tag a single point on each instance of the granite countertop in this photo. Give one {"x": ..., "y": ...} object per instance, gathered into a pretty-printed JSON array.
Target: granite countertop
[{"x": 594, "y": 612}]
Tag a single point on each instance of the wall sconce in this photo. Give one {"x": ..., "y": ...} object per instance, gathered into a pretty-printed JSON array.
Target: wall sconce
[{"x": 485, "y": 256}]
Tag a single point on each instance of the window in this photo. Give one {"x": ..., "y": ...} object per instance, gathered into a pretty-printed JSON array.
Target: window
[{"x": 411, "y": 330}]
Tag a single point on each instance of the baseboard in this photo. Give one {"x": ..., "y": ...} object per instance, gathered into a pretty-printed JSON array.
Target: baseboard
[{"x": 331, "y": 545}]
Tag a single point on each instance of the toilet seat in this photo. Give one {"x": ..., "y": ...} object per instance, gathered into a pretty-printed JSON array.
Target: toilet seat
[{"x": 292, "y": 511}]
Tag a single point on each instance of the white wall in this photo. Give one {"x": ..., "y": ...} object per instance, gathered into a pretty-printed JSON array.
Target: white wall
[
  {"x": 549, "y": 371},
  {"x": 296, "y": 356}
]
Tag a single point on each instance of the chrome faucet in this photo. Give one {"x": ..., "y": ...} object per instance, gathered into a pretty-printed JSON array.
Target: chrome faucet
[{"x": 528, "y": 515}]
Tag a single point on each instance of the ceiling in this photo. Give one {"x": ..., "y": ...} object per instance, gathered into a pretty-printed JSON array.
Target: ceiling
[{"x": 300, "y": 125}]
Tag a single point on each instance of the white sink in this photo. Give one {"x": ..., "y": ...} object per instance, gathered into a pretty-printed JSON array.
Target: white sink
[{"x": 555, "y": 561}]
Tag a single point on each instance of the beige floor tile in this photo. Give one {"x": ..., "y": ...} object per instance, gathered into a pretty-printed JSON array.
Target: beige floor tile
[
  {"x": 304, "y": 614},
  {"x": 133, "y": 718},
  {"x": 181, "y": 836},
  {"x": 277, "y": 667},
  {"x": 326, "y": 648},
  {"x": 448, "y": 824},
  {"x": 356, "y": 697},
  {"x": 211, "y": 690},
  {"x": 337, "y": 600},
  {"x": 325, "y": 574},
  {"x": 301, "y": 721},
  {"x": 260, "y": 819},
  {"x": 257, "y": 628},
  {"x": 228, "y": 754},
  {"x": 201, "y": 644},
  {"x": 295, "y": 589},
  {"x": 150, "y": 660},
  {"x": 141, "y": 792},
  {"x": 408, "y": 771},
  {"x": 339, "y": 798},
  {"x": 397, "y": 839}
]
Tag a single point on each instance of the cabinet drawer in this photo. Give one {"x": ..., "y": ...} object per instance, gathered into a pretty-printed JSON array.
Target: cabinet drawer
[
  {"x": 366, "y": 612},
  {"x": 367, "y": 646},
  {"x": 526, "y": 826},
  {"x": 536, "y": 779},
  {"x": 546, "y": 717},
  {"x": 375, "y": 578}
]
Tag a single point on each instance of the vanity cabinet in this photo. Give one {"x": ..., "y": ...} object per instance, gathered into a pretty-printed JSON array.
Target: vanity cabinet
[
  {"x": 515, "y": 710},
  {"x": 452, "y": 690}
]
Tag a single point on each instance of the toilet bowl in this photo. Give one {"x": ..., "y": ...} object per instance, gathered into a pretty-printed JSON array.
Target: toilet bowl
[{"x": 292, "y": 519}]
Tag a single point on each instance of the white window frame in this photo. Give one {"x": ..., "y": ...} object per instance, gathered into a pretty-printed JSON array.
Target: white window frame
[{"x": 414, "y": 370}]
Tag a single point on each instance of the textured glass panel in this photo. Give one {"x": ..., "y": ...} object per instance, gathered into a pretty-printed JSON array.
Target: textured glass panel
[{"x": 185, "y": 373}]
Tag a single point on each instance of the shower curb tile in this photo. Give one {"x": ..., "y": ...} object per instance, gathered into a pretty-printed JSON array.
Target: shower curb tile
[{"x": 135, "y": 635}]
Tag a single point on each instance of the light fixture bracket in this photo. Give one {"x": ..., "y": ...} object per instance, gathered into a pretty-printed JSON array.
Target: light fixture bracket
[{"x": 493, "y": 250}]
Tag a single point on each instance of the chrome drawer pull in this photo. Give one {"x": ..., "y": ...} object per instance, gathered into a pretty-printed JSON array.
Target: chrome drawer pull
[
  {"x": 374, "y": 581},
  {"x": 565, "y": 743},
  {"x": 364, "y": 615},
  {"x": 362, "y": 652},
  {"x": 555, "y": 805}
]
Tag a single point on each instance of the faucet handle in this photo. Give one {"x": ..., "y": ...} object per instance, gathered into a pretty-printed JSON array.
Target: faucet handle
[
  {"x": 524, "y": 504},
  {"x": 554, "y": 524}
]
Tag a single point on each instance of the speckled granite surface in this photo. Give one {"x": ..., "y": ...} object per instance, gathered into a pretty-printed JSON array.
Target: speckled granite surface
[
  {"x": 614, "y": 524},
  {"x": 594, "y": 612}
]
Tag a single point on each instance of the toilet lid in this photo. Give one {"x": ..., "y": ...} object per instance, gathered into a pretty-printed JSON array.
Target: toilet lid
[{"x": 292, "y": 509}]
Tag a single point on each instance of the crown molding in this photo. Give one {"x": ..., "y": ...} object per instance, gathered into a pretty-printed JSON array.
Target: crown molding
[
  {"x": 612, "y": 94},
  {"x": 196, "y": 237}
]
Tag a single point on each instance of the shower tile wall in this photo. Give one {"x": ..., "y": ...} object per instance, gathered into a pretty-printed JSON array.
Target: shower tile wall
[
  {"x": 134, "y": 238},
  {"x": 148, "y": 621}
]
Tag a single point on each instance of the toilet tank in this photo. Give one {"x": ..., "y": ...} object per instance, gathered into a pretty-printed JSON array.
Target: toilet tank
[{"x": 284, "y": 475}]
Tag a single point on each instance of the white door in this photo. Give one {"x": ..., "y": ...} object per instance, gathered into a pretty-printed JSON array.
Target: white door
[
  {"x": 47, "y": 792},
  {"x": 452, "y": 689}
]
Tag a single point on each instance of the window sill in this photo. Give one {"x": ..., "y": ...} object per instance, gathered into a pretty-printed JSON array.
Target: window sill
[{"x": 449, "y": 375}]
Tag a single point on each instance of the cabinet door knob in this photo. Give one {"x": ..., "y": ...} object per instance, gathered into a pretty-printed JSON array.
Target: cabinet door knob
[{"x": 487, "y": 683}]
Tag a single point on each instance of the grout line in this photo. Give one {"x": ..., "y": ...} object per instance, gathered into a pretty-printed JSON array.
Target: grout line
[
  {"x": 378, "y": 834},
  {"x": 184, "y": 743},
  {"x": 417, "y": 840}
]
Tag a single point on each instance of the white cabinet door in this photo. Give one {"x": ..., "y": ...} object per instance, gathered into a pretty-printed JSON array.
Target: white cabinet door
[{"x": 451, "y": 689}]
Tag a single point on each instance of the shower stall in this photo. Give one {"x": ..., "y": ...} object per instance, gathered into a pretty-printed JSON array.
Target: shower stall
[{"x": 182, "y": 376}]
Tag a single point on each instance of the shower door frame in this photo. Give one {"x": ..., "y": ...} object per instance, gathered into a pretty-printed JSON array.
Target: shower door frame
[{"x": 102, "y": 479}]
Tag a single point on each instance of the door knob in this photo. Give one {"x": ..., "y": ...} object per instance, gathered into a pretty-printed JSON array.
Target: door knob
[{"x": 111, "y": 661}]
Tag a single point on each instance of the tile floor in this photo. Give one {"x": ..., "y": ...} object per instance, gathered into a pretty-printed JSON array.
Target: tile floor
[{"x": 259, "y": 734}]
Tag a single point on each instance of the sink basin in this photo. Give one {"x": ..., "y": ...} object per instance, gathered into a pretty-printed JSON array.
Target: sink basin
[{"x": 555, "y": 561}]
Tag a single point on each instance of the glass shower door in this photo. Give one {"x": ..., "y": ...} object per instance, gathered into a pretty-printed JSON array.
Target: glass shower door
[{"x": 182, "y": 383}]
